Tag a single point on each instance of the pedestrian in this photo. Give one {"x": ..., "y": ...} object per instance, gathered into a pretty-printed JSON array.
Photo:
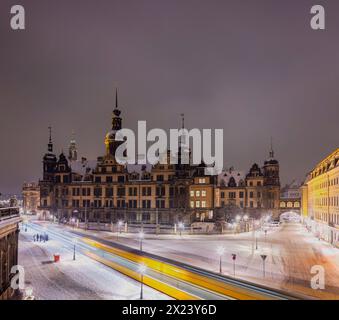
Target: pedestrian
[
  {"x": 34, "y": 236},
  {"x": 37, "y": 236},
  {"x": 46, "y": 237}
]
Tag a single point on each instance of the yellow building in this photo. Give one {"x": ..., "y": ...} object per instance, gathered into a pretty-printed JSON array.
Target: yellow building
[{"x": 320, "y": 199}]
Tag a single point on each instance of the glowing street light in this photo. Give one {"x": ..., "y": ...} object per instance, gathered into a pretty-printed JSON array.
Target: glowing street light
[
  {"x": 142, "y": 270},
  {"x": 120, "y": 223},
  {"x": 141, "y": 237},
  {"x": 238, "y": 218},
  {"x": 181, "y": 227},
  {"x": 245, "y": 217},
  {"x": 220, "y": 251}
]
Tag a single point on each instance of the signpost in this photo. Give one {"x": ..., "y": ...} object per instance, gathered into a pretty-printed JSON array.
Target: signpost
[
  {"x": 263, "y": 257},
  {"x": 234, "y": 257}
]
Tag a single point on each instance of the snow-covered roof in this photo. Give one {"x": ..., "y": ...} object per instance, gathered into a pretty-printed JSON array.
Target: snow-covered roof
[
  {"x": 82, "y": 166},
  {"x": 226, "y": 175},
  {"x": 139, "y": 168}
]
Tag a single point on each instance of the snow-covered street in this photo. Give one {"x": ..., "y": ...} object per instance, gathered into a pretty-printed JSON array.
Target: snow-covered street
[
  {"x": 291, "y": 252},
  {"x": 81, "y": 279}
]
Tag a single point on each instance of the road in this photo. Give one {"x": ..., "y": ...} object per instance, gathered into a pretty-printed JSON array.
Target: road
[
  {"x": 170, "y": 277},
  {"x": 291, "y": 252},
  {"x": 82, "y": 279}
]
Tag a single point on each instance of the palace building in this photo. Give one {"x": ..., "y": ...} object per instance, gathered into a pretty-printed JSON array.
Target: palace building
[
  {"x": 106, "y": 191},
  {"x": 320, "y": 199}
]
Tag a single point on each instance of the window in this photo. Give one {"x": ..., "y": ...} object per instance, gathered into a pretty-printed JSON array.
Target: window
[
  {"x": 259, "y": 184},
  {"x": 121, "y": 192},
  {"x": 203, "y": 204},
  {"x": 222, "y": 194},
  {"x": 121, "y": 179},
  {"x": 109, "y": 192},
  {"x": 160, "y": 191},
  {"x": 241, "y": 194},
  {"x": 197, "y": 204},
  {"x": 97, "y": 192},
  {"x": 160, "y": 178},
  {"x": 232, "y": 195},
  {"x": 160, "y": 204},
  {"x": 251, "y": 194},
  {"x": 192, "y": 193},
  {"x": 109, "y": 179},
  {"x": 203, "y": 193},
  {"x": 97, "y": 180},
  {"x": 202, "y": 180},
  {"x": 192, "y": 204},
  {"x": 197, "y": 193}
]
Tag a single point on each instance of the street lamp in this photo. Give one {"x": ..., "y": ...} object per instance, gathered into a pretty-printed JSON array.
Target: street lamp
[
  {"x": 220, "y": 251},
  {"x": 263, "y": 257},
  {"x": 142, "y": 270},
  {"x": 74, "y": 244},
  {"x": 245, "y": 217},
  {"x": 141, "y": 237},
  {"x": 181, "y": 227},
  {"x": 238, "y": 218},
  {"x": 120, "y": 223}
]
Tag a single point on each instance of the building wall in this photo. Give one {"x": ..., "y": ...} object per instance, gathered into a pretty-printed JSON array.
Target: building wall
[
  {"x": 31, "y": 197},
  {"x": 9, "y": 219},
  {"x": 320, "y": 198}
]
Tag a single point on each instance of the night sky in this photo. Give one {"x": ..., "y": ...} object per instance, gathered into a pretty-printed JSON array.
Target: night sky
[{"x": 252, "y": 67}]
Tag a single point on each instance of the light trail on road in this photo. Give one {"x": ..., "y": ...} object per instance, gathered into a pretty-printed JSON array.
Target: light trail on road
[{"x": 173, "y": 278}]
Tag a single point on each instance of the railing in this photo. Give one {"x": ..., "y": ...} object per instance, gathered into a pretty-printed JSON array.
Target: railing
[{"x": 10, "y": 212}]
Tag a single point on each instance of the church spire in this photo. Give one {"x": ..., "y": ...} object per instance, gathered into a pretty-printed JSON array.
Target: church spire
[
  {"x": 116, "y": 120},
  {"x": 116, "y": 98},
  {"x": 50, "y": 143},
  {"x": 271, "y": 149}
]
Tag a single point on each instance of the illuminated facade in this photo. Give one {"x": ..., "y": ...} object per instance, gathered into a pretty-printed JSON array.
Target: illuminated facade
[
  {"x": 320, "y": 199},
  {"x": 31, "y": 198},
  {"x": 290, "y": 198},
  {"x": 106, "y": 191}
]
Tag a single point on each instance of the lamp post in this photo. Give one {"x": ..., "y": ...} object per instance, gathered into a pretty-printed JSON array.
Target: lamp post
[
  {"x": 74, "y": 244},
  {"x": 181, "y": 227},
  {"x": 120, "y": 223},
  {"x": 142, "y": 270},
  {"x": 234, "y": 257},
  {"x": 263, "y": 257},
  {"x": 141, "y": 237},
  {"x": 220, "y": 251}
]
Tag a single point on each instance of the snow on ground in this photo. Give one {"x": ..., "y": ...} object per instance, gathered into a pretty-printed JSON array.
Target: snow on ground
[
  {"x": 81, "y": 279},
  {"x": 291, "y": 252}
]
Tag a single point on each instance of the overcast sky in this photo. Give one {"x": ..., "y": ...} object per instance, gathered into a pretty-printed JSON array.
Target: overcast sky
[{"x": 252, "y": 67}]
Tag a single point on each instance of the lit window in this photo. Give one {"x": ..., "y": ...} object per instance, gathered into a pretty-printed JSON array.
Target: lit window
[
  {"x": 192, "y": 204},
  {"x": 203, "y": 193},
  {"x": 203, "y": 204},
  {"x": 192, "y": 193},
  {"x": 197, "y": 204},
  {"x": 197, "y": 193}
]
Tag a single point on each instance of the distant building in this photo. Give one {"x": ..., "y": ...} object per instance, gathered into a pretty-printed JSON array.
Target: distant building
[
  {"x": 320, "y": 199},
  {"x": 290, "y": 198},
  {"x": 31, "y": 198},
  {"x": 9, "y": 231},
  {"x": 106, "y": 191}
]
